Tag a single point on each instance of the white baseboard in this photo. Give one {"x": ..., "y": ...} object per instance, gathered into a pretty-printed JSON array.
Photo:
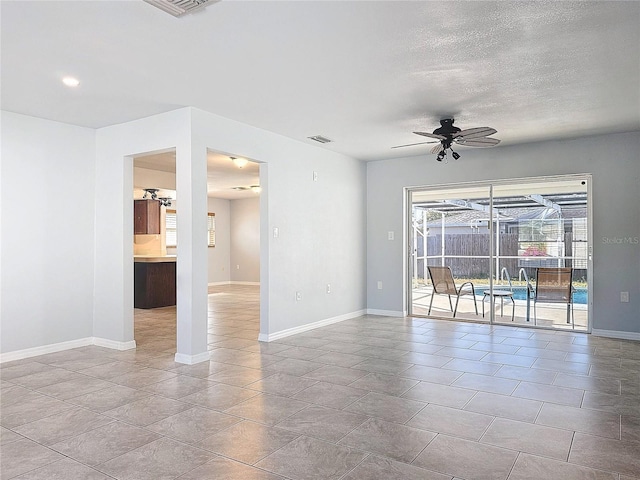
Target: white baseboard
[
  {"x": 215, "y": 284},
  {"x": 616, "y": 334},
  {"x": 104, "y": 342},
  {"x": 232, "y": 282},
  {"x": 44, "y": 349},
  {"x": 309, "y": 326},
  {"x": 191, "y": 359},
  {"x": 384, "y": 313},
  {"x": 59, "y": 347}
]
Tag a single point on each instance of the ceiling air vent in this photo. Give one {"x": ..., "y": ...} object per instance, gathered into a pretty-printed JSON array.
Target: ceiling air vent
[
  {"x": 320, "y": 139},
  {"x": 178, "y": 8}
]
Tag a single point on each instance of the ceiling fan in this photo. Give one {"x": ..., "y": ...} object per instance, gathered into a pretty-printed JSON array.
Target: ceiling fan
[{"x": 448, "y": 134}]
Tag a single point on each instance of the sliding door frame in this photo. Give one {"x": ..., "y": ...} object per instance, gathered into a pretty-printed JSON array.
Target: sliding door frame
[{"x": 587, "y": 180}]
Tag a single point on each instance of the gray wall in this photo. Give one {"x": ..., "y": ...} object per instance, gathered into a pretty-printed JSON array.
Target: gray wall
[
  {"x": 321, "y": 223},
  {"x": 245, "y": 240},
  {"x": 219, "y": 256},
  {"x": 612, "y": 159}
]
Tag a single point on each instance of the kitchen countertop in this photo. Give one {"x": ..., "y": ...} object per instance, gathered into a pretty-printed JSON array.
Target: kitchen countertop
[{"x": 154, "y": 258}]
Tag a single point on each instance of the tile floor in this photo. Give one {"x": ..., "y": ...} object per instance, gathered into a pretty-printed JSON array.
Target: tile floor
[{"x": 369, "y": 398}]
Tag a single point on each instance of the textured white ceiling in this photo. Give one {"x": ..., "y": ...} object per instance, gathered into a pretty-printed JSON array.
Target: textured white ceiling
[{"x": 365, "y": 74}]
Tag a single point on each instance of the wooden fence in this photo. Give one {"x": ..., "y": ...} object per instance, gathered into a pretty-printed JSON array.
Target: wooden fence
[{"x": 477, "y": 245}]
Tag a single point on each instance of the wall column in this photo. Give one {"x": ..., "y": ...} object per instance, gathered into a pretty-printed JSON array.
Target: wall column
[{"x": 191, "y": 193}]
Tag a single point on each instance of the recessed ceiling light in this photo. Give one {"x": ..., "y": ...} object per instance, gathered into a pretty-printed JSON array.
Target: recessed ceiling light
[{"x": 71, "y": 81}]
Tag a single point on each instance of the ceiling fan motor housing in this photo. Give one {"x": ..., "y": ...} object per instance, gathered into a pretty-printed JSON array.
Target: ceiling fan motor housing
[{"x": 447, "y": 129}]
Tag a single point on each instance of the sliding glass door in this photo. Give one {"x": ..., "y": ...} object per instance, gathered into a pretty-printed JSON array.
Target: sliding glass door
[
  {"x": 516, "y": 250},
  {"x": 449, "y": 229}
]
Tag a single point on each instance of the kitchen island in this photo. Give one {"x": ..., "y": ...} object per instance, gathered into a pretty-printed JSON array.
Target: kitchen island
[{"x": 154, "y": 283}]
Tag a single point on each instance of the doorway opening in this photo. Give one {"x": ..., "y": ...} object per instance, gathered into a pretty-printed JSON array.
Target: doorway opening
[
  {"x": 514, "y": 252},
  {"x": 234, "y": 190},
  {"x": 155, "y": 251},
  {"x": 233, "y": 254}
]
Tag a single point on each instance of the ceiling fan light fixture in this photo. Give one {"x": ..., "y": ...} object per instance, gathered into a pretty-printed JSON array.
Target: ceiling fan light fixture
[
  {"x": 150, "y": 192},
  {"x": 449, "y": 134}
]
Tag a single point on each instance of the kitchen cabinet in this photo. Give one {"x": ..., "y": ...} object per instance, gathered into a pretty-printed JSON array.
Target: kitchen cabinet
[
  {"x": 154, "y": 283},
  {"x": 146, "y": 217}
]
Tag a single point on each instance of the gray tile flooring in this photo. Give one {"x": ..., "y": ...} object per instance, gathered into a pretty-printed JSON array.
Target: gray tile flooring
[{"x": 368, "y": 398}]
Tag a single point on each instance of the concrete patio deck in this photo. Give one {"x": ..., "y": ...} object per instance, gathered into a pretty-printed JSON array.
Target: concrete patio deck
[{"x": 548, "y": 315}]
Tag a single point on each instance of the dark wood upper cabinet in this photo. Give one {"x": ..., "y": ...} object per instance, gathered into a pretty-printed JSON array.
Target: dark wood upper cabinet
[{"x": 146, "y": 217}]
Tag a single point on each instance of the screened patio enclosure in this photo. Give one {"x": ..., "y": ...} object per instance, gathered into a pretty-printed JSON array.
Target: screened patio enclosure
[{"x": 497, "y": 236}]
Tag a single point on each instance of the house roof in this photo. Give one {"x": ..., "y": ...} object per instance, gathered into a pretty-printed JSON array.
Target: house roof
[{"x": 364, "y": 74}]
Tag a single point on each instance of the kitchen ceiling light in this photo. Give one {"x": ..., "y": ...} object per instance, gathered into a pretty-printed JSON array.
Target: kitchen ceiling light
[
  {"x": 239, "y": 162},
  {"x": 71, "y": 81},
  {"x": 150, "y": 192}
]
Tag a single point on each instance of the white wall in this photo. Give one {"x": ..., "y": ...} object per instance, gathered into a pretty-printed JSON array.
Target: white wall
[
  {"x": 219, "y": 256},
  {"x": 245, "y": 240},
  {"x": 613, "y": 161},
  {"x": 113, "y": 284},
  {"x": 321, "y": 224},
  {"x": 48, "y": 190}
]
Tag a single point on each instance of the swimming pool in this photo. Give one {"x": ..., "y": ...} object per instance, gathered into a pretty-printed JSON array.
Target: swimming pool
[{"x": 520, "y": 293}]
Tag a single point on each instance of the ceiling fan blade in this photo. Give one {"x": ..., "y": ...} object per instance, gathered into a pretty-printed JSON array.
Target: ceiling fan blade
[
  {"x": 431, "y": 135},
  {"x": 476, "y": 132},
  {"x": 477, "y": 142},
  {"x": 412, "y": 144},
  {"x": 437, "y": 149}
]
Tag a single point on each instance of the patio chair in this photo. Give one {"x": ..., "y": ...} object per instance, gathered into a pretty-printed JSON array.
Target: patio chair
[
  {"x": 553, "y": 285},
  {"x": 443, "y": 284}
]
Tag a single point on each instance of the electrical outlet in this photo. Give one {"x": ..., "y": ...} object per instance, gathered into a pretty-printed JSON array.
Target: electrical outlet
[
  {"x": 624, "y": 297},
  {"x": 237, "y": 267},
  {"x": 315, "y": 176},
  {"x": 391, "y": 235},
  {"x": 298, "y": 296},
  {"x": 379, "y": 285},
  {"x": 328, "y": 288},
  {"x": 276, "y": 232}
]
